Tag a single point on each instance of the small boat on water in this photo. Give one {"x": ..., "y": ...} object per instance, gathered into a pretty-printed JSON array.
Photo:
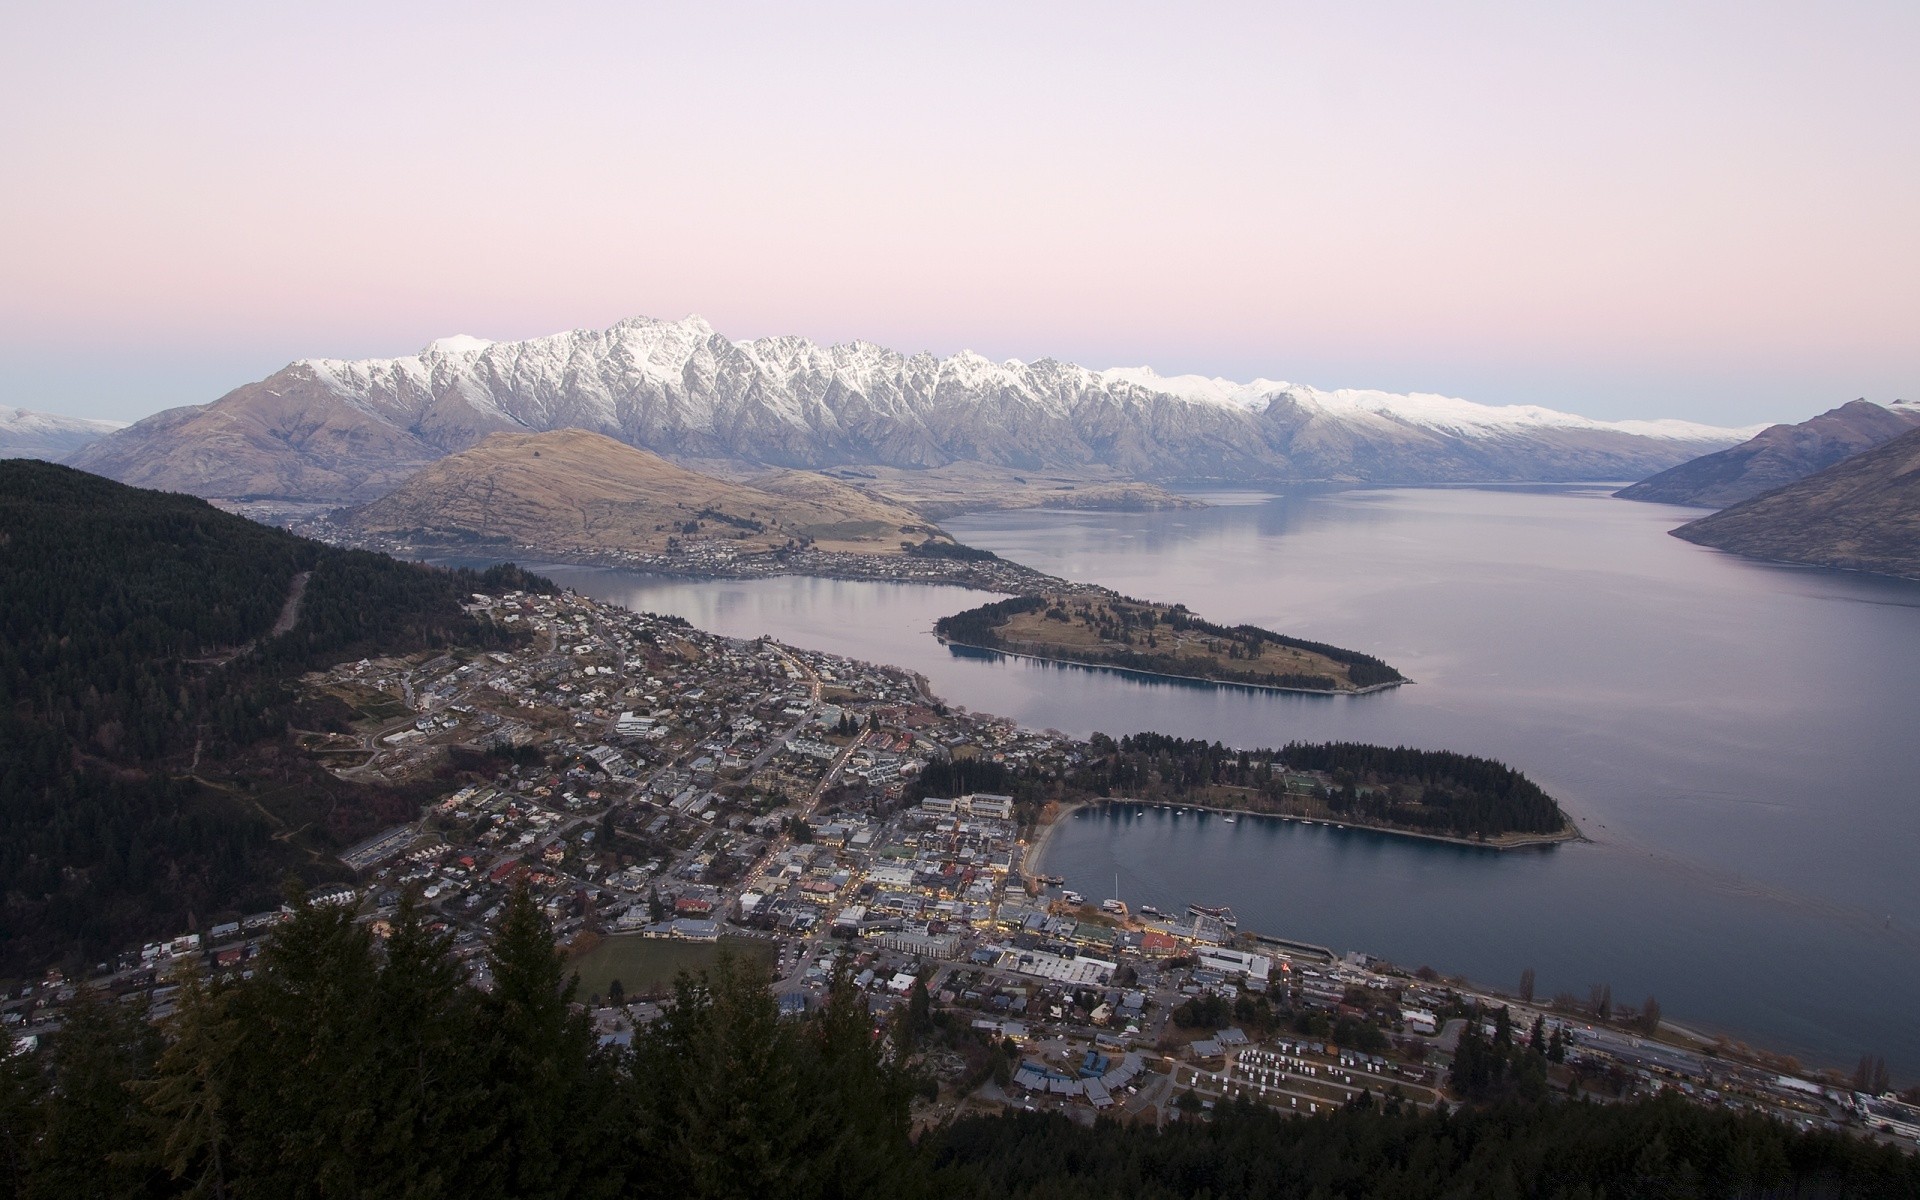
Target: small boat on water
[
  {"x": 1148, "y": 910},
  {"x": 1229, "y": 820},
  {"x": 1071, "y": 896},
  {"x": 1220, "y": 913},
  {"x": 1117, "y": 907}
]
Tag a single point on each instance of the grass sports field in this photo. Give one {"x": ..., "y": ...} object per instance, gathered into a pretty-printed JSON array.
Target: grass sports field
[{"x": 647, "y": 966}]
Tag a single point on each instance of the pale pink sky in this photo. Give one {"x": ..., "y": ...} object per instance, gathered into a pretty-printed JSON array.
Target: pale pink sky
[{"x": 1702, "y": 210}]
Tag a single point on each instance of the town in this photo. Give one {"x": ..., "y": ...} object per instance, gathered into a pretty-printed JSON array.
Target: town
[
  {"x": 712, "y": 557},
  {"x": 670, "y": 795}
]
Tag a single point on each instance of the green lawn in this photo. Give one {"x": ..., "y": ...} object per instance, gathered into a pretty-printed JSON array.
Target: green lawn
[{"x": 647, "y": 966}]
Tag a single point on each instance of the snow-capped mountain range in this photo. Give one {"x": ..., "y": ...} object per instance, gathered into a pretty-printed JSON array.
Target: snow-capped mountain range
[
  {"x": 349, "y": 431},
  {"x": 28, "y": 434}
]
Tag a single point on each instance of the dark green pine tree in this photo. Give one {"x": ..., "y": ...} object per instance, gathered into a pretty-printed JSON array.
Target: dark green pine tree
[
  {"x": 92, "y": 1135},
  {"x": 918, "y": 1021},
  {"x": 429, "y": 1102},
  {"x": 539, "y": 1131},
  {"x": 308, "y": 1066},
  {"x": 862, "y": 1116},
  {"x": 188, "y": 1099},
  {"x": 23, "y": 1090},
  {"x": 722, "y": 1104}
]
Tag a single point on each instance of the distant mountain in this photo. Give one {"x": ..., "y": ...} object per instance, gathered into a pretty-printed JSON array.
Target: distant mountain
[
  {"x": 1777, "y": 456},
  {"x": 28, "y": 434},
  {"x": 325, "y": 429},
  {"x": 571, "y": 491},
  {"x": 1862, "y": 514}
]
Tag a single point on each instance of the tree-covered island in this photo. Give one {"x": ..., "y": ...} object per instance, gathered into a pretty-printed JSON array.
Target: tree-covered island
[{"x": 1106, "y": 630}]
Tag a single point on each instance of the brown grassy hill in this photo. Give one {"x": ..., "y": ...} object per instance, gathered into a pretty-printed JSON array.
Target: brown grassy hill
[
  {"x": 580, "y": 492},
  {"x": 1863, "y": 514}
]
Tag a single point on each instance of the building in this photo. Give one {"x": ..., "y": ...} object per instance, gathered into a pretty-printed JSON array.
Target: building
[
  {"x": 986, "y": 804},
  {"x": 1234, "y": 962}
]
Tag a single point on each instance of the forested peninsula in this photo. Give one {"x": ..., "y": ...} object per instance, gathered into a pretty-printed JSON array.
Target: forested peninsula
[
  {"x": 1106, "y": 630},
  {"x": 1420, "y": 793}
]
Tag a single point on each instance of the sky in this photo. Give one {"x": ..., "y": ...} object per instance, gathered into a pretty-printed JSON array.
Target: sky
[{"x": 1620, "y": 209}]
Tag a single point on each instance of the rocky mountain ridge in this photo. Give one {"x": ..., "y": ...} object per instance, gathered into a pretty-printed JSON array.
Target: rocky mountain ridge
[{"x": 350, "y": 431}]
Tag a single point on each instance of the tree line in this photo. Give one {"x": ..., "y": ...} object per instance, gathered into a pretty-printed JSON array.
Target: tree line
[
  {"x": 981, "y": 626},
  {"x": 1427, "y": 790},
  {"x": 1475, "y": 795},
  {"x": 354, "y": 1065}
]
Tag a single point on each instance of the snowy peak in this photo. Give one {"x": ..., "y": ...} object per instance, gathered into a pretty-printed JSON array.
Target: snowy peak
[
  {"x": 665, "y": 351},
  {"x": 28, "y": 434},
  {"x": 1200, "y": 389},
  {"x": 459, "y": 344},
  {"x": 343, "y": 430},
  {"x": 1426, "y": 410}
]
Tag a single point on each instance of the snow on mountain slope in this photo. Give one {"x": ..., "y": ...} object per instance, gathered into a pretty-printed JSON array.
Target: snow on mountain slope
[
  {"x": 332, "y": 429},
  {"x": 28, "y": 434},
  {"x": 1445, "y": 413}
]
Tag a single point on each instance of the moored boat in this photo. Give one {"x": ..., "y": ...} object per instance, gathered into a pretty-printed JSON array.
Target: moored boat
[{"x": 1219, "y": 912}]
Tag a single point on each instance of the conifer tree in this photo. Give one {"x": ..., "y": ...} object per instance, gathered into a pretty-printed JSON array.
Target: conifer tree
[
  {"x": 188, "y": 1098},
  {"x": 428, "y": 1100},
  {"x": 307, "y": 1061},
  {"x": 91, "y": 1133},
  {"x": 722, "y": 1095},
  {"x": 23, "y": 1091},
  {"x": 865, "y": 1094},
  {"x": 535, "y": 1056}
]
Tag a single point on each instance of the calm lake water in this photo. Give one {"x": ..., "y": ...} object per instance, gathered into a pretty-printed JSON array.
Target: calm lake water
[{"x": 1740, "y": 740}]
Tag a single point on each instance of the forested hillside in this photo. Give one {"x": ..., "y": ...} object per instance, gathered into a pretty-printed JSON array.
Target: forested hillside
[
  {"x": 142, "y": 697},
  {"x": 351, "y": 1067}
]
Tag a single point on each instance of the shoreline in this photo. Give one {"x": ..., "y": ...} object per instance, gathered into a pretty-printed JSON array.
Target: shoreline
[
  {"x": 1036, "y": 849},
  {"x": 1166, "y": 675},
  {"x": 998, "y": 576},
  {"x": 1031, "y": 861}
]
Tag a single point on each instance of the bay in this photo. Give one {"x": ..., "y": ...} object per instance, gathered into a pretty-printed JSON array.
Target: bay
[{"x": 1736, "y": 738}]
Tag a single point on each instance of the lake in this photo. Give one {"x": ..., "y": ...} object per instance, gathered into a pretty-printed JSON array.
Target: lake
[{"x": 1739, "y": 739}]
